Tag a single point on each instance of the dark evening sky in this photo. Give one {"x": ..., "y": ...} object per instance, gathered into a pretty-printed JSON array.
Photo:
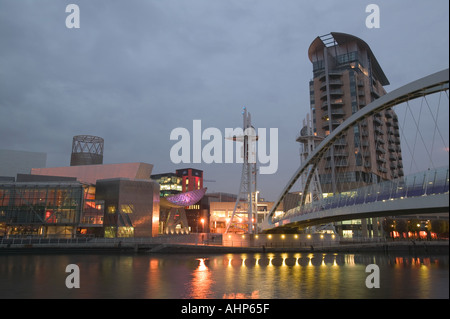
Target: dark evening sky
[{"x": 135, "y": 70}]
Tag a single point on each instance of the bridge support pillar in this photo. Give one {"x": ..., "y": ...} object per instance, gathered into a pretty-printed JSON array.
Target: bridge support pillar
[
  {"x": 375, "y": 226},
  {"x": 364, "y": 229}
]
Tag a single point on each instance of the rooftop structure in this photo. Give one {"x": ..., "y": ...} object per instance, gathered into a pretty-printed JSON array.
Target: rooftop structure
[
  {"x": 86, "y": 150},
  {"x": 91, "y": 173}
]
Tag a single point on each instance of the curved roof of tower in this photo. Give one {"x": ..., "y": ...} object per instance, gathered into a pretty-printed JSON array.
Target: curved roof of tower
[{"x": 341, "y": 38}]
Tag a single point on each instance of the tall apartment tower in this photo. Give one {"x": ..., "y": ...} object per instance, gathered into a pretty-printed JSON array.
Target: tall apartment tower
[{"x": 347, "y": 77}]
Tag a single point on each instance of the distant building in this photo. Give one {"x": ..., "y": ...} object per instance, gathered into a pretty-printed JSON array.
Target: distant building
[
  {"x": 112, "y": 200},
  {"x": 182, "y": 181},
  {"x": 131, "y": 207},
  {"x": 174, "y": 210},
  {"x": 169, "y": 183},
  {"x": 221, "y": 206},
  {"x": 49, "y": 209},
  {"x": 20, "y": 162},
  {"x": 192, "y": 179},
  {"x": 91, "y": 173}
]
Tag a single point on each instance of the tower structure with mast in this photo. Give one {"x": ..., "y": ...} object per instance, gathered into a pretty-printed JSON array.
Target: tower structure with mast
[{"x": 248, "y": 186}]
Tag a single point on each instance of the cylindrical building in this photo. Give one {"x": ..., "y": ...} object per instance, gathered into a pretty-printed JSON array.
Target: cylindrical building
[
  {"x": 347, "y": 77},
  {"x": 86, "y": 150}
]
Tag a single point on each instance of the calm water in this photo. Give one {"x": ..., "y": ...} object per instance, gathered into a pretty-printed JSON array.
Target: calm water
[{"x": 263, "y": 276}]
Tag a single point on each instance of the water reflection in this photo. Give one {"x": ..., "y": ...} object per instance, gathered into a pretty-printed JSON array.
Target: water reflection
[
  {"x": 200, "y": 285},
  {"x": 252, "y": 295},
  {"x": 290, "y": 275}
]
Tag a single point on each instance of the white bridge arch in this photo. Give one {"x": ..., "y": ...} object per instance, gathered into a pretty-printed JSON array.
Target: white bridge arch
[{"x": 433, "y": 83}]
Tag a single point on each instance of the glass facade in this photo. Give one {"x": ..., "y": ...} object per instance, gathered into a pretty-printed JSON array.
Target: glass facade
[
  {"x": 170, "y": 184},
  {"x": 47, "y": 209}
]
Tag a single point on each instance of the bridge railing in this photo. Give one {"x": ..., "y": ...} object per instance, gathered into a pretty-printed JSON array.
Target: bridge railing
[
  {"x": 430, "y": 182},
  {"x": 193, "y": 238}
]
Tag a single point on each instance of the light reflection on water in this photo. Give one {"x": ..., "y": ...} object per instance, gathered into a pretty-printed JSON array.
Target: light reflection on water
[{"x": 258, "y": 276}]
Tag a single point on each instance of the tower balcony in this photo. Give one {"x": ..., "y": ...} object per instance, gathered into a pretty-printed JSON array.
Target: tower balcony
[
  {"x": 377, "y": 121},
  {"x": 337, "y": 153},
  {"x": 335, "y": 103},
  {"x": 331, "y": 83},
  {"x": 334, "y": 124},
  {"x": 380, "y": 149},
  {"x": 337, "y": 112},
  {"x": 339, "y": 163},
  {"x": 379, "y": 131},
  {"x": 382, "y": 169},
  {"x": 381, "y": 159}
]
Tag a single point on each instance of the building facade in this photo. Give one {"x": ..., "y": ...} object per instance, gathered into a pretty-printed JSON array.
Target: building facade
[
  {"x": 131, "y": 207},
  {"x": 110, "y": 200},
  {"x": 191, "y": 179},
  {"x": 347, "y": 77},
  {"x": 221, "y": 206},
  {"x": 183, "y": 181},
  {"x": 49, "y": 209},
  {"x": 170, "y": 183}
]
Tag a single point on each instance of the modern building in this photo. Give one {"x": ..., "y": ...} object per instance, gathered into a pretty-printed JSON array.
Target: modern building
[
  {"x": 169, "y": 183},
  {"x": 347, "y": 77},
  {"x": 175, "y": 209},
  {"x": 47, "y": 209},
  {"x": 111, "y": 200},
  {"x": 192, "y": 179},
  {"x": 20, "y": 162},
  {"x": 131, "y": 207},
  {"x": 221, "y": 206},
  {"x": 183, "y": 181},
  {"x": 91, "y": 173}
]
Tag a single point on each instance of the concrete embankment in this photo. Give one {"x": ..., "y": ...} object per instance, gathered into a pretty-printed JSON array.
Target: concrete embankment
[
  {"x": 403, "y": 247},
  {"x": 427, "y": 247}
]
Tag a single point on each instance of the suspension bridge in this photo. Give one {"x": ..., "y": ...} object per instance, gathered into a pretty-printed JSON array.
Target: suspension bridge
[{"x": 422, "y": 107}]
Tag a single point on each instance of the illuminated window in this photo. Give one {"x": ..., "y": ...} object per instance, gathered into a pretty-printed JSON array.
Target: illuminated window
[
  {"x": 125, "y": 232},
  {"x": 127, "y": 209},
  {"x": 218, "y": 214},
  {"x": 110, "y": 232},
  {"x": 111, "y": 209}
]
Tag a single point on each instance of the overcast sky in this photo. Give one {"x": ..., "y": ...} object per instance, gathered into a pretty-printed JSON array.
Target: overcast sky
[{"x": 137, "y": 69}]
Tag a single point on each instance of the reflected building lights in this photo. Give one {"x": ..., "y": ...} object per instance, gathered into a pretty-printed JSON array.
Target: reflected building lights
[{"x": 201, "y": 282}]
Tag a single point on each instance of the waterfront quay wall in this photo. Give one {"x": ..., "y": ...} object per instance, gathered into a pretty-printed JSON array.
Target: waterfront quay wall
[
  {"x": 268, "y": 241},
  {"x": 218, "y": 244},
  {"x": 105, "y": 244}
]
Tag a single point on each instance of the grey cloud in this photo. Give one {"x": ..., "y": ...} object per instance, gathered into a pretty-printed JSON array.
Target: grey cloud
[{"x": 135, "y": 70}]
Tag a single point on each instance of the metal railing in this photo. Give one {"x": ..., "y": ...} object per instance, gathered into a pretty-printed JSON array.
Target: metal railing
[
  {"x": 426, "y": 183},
  {"x": 197, "y": 238}
]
